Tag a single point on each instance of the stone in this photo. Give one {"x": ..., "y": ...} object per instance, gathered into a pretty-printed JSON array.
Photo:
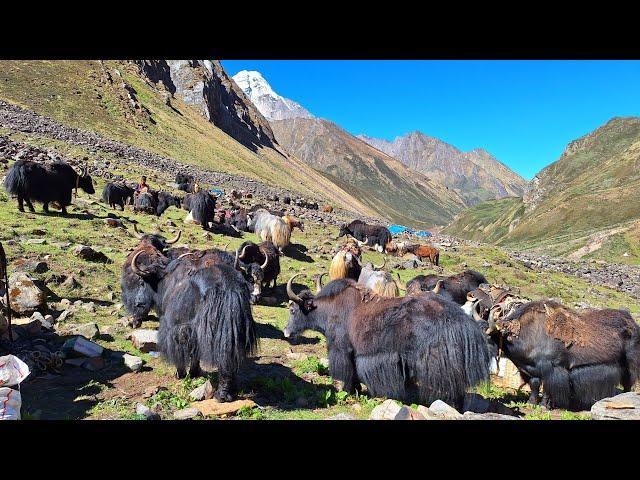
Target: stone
[
  {"x": 385, "y": 411},
  {"x": 215, "y": 408},
  {"x": 87, "y": 330},
  {"x": 145, "y": 340},
  {"x": 441, "y": 409},
  {"x": 146, "y": 412},
  {"x": 150, "y": 391},
  {"x": 408, "y": 413},
  {"x": 62, "y": 245},
  {"x": 113, "y": 222},
  {"x": 132, "y": 362},
  {"x": 487, "y": 416},
  {"x": 35, "y": 241},
  {"x": 203, "y": 392},
  {"x": 65, "y": 315},
  {"x": 341, "y": 416},
  {"x": 427, "y": 414},
  {"x": 89, "y": 254},
  {"x": 625, "y": 406},
  {"x": 35, "y": 266},
  {"x": 89, "y": 307},
  {"x": 25, "y": 296},
  {"x": 188, "y": 413},
  {"x": 70, "y": 283}
]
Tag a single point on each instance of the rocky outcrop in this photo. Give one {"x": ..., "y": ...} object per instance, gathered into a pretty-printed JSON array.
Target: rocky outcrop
[{"x": 625, "y": 406}]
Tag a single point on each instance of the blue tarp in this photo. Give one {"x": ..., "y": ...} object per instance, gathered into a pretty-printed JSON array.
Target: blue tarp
[
  {"x": 216, "y": 191},
  {"x": 396, "y": 229}
]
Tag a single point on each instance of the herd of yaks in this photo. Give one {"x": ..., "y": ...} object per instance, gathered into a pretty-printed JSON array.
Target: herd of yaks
[{"x": 435, "y": 342}]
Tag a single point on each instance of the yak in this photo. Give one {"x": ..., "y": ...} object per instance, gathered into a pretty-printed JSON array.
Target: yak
[
  {"x": 117, "y": 194},
  {"x": 238, "y": 219},
  {"x": 185, "y": 182},
  {"x": 45, "y": 183},
  {"x": 419, "y": 348},
  {"x": 374, "y": 236},
  {"x": 205, "y": 317},
  {"x": 577, "y": 357},
  {"x": 455, "y": 288},
  {"x": 379, "y": 281},
  {"x": 138, "y": 296},
  {"x": 270, "y": 228},
  {"x": 154, "y": 202},
  {"x": 201, "y": 207},
  {"x": 166, "y": 200},
  {"x": 425, "y": 251},
  {"x": 261, "y": 262},
  {"x": 346, "y": 263}
]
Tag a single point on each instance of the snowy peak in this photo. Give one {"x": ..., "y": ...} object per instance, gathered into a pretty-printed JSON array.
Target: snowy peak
[{"x": 271, "y": 105}]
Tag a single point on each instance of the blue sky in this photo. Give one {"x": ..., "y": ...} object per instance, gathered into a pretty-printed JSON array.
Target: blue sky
[{"x": 523, "y": 112}]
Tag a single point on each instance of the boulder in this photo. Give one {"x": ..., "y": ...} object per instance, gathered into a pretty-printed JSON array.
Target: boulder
[
  {"x": 187, "y": 414},
  {"x": 408, "y": 413},
  {"x": 214, "y": 408},
  {"x": 203, "y": 392},
  {"x": 132, "y": 362},
  {"x": 625, "y": 406},
  {"x": 444, "y": 411},
  {"x": 146, "y": 412},
  {"x": 145, "y": 340},
  {"x": 385, "y": 411},
  {"x": 25, "y": 296}
]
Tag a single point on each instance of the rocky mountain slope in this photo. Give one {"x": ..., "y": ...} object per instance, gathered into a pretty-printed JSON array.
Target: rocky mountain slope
[
  {"x": 476, "y": 175},
  {"x": 188, "y": 111},
  {"x": 380, "y": 181},
  {"x": 268, "y": 102},
  {"x": 589, "y": 192}
]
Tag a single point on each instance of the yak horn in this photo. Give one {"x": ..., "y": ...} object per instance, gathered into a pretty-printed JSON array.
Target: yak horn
[
  {"x": 399, "y": 283},
  {"x": 438, "y": 286},
  {"x": 319, "y": 282},
  {"x": 547, "y": 309},
  {"x": 241, "y": 257},
  {"x": 175, "y": 239},
  {"x": 360, "y": 244},
  {"x": 264, "y": 265},
  {"x": 292, "y": 296},
  {"x": 137, "y": 233},
  {"x": 225, "y": 247},
  {"x": 476, "y": 316},
  {"x": 235, "y": 228},
  {"x": 384, "y": 262},
  {"x": 134, "y": 266},
  {"x": 236, "y": 263}
]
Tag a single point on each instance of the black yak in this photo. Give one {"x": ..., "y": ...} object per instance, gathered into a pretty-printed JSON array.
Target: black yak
[
  {"x": 138, "y": 296},
  {"x": 45, "y": 183},
  {"x": 117, "y": 194},
  {"x": 201, "y": 207},
  {"x": 262, "y": 262},
  {"x": 205, "y": 317},
  {"x": 166, "y": 200},
  {"x": 420, "y": 348},
  {"x": 577, "y": 357},
  {"x": 238, "y": 219},
  {"x": 155, "y": 203},
  {"x": 185, "y": 182},
  {"x": 374, "y": 236},
  {"x": 455, "y": 288}
]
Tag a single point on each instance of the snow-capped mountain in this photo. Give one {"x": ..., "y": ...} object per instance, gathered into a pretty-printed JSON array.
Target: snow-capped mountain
[{"x": 271, "y": 105}]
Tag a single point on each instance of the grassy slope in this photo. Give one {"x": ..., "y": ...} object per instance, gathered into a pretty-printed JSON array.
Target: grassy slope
[
  {"x": 380, "y": 181},
  {"x": 71, "y": 92}
]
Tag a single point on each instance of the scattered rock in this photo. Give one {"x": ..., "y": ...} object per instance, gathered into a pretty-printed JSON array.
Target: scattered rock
[
  {"x": 35, "y": 241},
  {"x": 25, "y": 296},
  {"x": 214, "y": 408},
  {"x": 385, "y": 411},
  {"x": 87, "y": 330},
  {"x": 625, "y": 406},
  {"x": 145, "y": 340},
  {"x": 89, "y": 254},
  {"x": 132, "y": 362},
  {"x": 203, "y": 392},
  {"x": 187, "y": 414},
  {"x": 441, "y": 409},
  {"x": 341, "y": 416},
  {"x": 113, "y": 222},
  {"x": 150, "y": 391},
  {"x": 65, "y": 315},
  {"x": 146, "y": 411},
  {"x": 408, "y": 413},
  {"x": 35, "y": 266}
]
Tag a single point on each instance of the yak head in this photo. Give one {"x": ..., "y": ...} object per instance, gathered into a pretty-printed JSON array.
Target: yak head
[
  {"x": 153, "y": 239},
  {"x": 344, "y": 230},
  {"x": 252, "y": 272},
  {"x": 301, "y": 311},
  {"x": 85, "y": 182}
]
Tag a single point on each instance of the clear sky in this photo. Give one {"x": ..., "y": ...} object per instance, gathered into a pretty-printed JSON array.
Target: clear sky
[{"x": 523, "y": 112}]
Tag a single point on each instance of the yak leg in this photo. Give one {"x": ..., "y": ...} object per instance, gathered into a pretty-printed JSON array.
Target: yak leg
[
  {"x": 20, "y": 203},
  {"x": 534, "y": 384},
  {"x": 342, "y": 367},
  {"x": 30, "y": 205},
  {"x": 45, "y": 207},
  {"x": 194, "y": 369},
  {"x": 64, "y": 210},
  {"x": 226, "y": 387},
  {"x": 181, "y": 372}
]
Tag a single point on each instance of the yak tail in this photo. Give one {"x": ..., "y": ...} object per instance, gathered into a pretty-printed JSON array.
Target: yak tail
[
  {"x": 338, "y": 267},
  {"x": 225, "y": 329},
  {"x": 15, "y": 182},
  {"x": 280, "y": 233},
  {"x": 178, "y": 345},
  {"x": 451, "y": 357},
  {"x": 590, "y": 384}
]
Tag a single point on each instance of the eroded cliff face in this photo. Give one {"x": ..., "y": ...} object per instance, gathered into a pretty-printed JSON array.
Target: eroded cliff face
[{"x": 205, "y": 84}]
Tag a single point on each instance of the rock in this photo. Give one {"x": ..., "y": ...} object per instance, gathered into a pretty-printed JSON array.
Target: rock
[
  {"x": 30, "y": 327},
  {"x": 150, "y": 391},
  {"x": 203, "y": 392},
  {"x": 487, "y": 416},
  {"x": 132, "y": 362},
  {"x": 187, "y": 414},
  {"x": 89, "y": 254},
  {"x": 35, "y": 241},
  {"x": 94, "y": 364},
  {"x": 385, "y": 411},
  {"x": 35, "y": 266},
  {"x": 87, "y": 330},
  {"x": 442, "y": 410},
  {"x": 145, "y": 340},
  {"x": 113, "y": 222},
  {"x": 407, "y": 413},
  {"x": 625, "y": 406},
  {"x": 70, "y": 283},
  {"x": 213, "y": 407},
  {"x": 146, "y": 411},
  {"x": 62, "y": 245},
  {"x": 64, "y": 315},
  {"x": 341, "y": 416},
  {"x": 427, "y": 414},
  {"x": 25, "y": 296},
  {"x": 89, "y": 307}
]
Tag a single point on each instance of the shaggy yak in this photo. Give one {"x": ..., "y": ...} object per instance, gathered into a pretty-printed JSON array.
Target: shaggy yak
[
  {"x": 117, "y": 194},
  {"x": 419, "y": 349},
  {"x": 372, "y": 235},
  {"x": 261, "y": 262},
  {"x": 453, "y": 288},
  {"x": 155, "y": 203},
  {"x": 425, "y": 251},
  {"x": 379, "y": 281},
  {"x": 138, "y": 296},
  {"x": 185, "y": 182},
  {"x": 577, "y": 357},
  {"x": 346, "y": 263},
  {"x": 270, "y": 228},
  {"x": 45, "y": 183},
  {"x": 205, "y": 316},
  {"x": 201, "y": 207}
]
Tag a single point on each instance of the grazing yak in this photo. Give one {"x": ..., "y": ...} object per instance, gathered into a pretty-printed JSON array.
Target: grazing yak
[
  {"x": 185, "y": 182},
  {"x": 418, "y": 349},
  {"x": 155, "y": 203},
  {"x": 346, "y": 263},
  {"x": 374, "y": 236},
  {"x": 201, "y": 207},
  {"x": 270, "y": 228},
  {"x": 138, "y": 296},
  {"x": 117, "y": 194},
  {"x": 378, "y": 280},
  {"x": 293, "y": 222},
  {"x": 238, "y": 219},
  {"x": 262, "y": 262},
  {"x": 455, "y": 288},
  {"x": 45, "y": 183},
  {"x": 577, "y": 357},
  {"x": 205, "y": 317},
  {"x": 425, "y": 251}
]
